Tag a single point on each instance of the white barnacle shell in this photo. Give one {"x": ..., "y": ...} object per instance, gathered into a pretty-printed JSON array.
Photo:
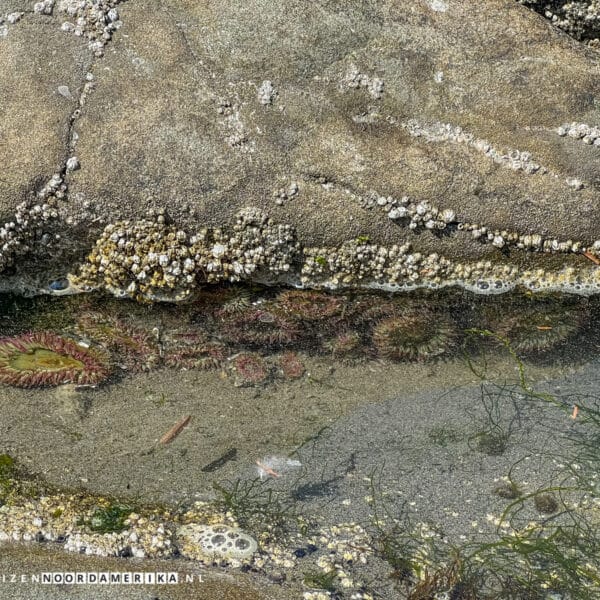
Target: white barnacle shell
[
  {"x": 398, "y": 212},
  {"x": 421, "y": 208},
  {"x": 448, "y": 215},
  {"x": 218, "y": 250}
]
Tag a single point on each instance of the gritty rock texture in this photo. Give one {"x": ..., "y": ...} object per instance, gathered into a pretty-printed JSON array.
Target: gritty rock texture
[
  {"x": 330, "y": 109},
  {"x": 212, "y": 586},
  {"x": 36, "y": 59}
]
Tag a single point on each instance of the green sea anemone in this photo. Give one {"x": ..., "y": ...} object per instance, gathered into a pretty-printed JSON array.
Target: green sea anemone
[
  {"x": 414, "y": 334},
  {"x": 45, "y": 358},
  {"x": 535, "y": 326}
]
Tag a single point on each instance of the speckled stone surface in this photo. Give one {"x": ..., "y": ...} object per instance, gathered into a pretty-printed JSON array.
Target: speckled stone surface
[
  {"x": 36, "y": 58},
  {"x": 193, "y": 111},
  {"x": 30, "y": 560}
]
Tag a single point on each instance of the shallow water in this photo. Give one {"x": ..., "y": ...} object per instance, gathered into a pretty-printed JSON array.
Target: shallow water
[{"x": 423, "y": 422}]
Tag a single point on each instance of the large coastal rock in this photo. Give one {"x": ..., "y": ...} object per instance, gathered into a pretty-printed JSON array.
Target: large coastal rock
[{"x": 430, "y": 142}]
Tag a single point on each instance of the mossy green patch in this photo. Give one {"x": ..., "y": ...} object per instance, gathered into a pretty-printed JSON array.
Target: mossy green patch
[
  {"x": 8, "y": 473},
  {"x": 109, "y": 519},
  {"x": 321, "y": 581}
]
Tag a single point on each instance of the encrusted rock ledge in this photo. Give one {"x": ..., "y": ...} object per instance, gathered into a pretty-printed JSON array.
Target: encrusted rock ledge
[
  {"x": 152, "y": 260},
  {"x": 427, "y": 144}
]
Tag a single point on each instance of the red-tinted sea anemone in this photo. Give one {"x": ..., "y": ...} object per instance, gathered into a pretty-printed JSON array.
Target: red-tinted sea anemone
[
  {"x": 345, "y": 344},
  {"x": 44, "y": 358},
  {"x": 249, "y": 369},
  {"x": 135, "y": 347},
  {"x": 258, "y": 327},
  {"x": 291, "y": 366},
  {"x": 208, "y": 355},
  {"x": 309, "y": 305}
]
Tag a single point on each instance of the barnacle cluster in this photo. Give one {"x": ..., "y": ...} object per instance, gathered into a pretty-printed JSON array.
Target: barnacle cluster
[
  {"x": 422, "y": 214},
  {"x": 579, "y": 18},
  {"x": 580, "y": 131},
  {"x": 359, "y": 263},
  {"x": 96, "y": 20},
  {"x": 153, "y": 260},
  {"x": 18, "y": 235}
]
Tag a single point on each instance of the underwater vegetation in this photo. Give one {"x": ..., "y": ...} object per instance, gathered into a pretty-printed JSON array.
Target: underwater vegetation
[
  {"x": 45, "y": 358},
  {"x": 8, "y": 471},
  {"x": 109, "y": 519}
]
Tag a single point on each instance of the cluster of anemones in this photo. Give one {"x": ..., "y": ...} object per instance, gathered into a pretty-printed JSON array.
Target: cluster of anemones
[{"x": 256, "y": 337}]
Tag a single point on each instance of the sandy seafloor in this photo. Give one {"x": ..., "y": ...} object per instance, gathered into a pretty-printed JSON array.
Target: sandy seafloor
[{"x": 403, "y": 435}]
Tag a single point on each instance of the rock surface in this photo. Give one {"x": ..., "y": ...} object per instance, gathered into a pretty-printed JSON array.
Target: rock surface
[
  {"x": 314, "y": 119},
  {"x": 29, "y": 561}
]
